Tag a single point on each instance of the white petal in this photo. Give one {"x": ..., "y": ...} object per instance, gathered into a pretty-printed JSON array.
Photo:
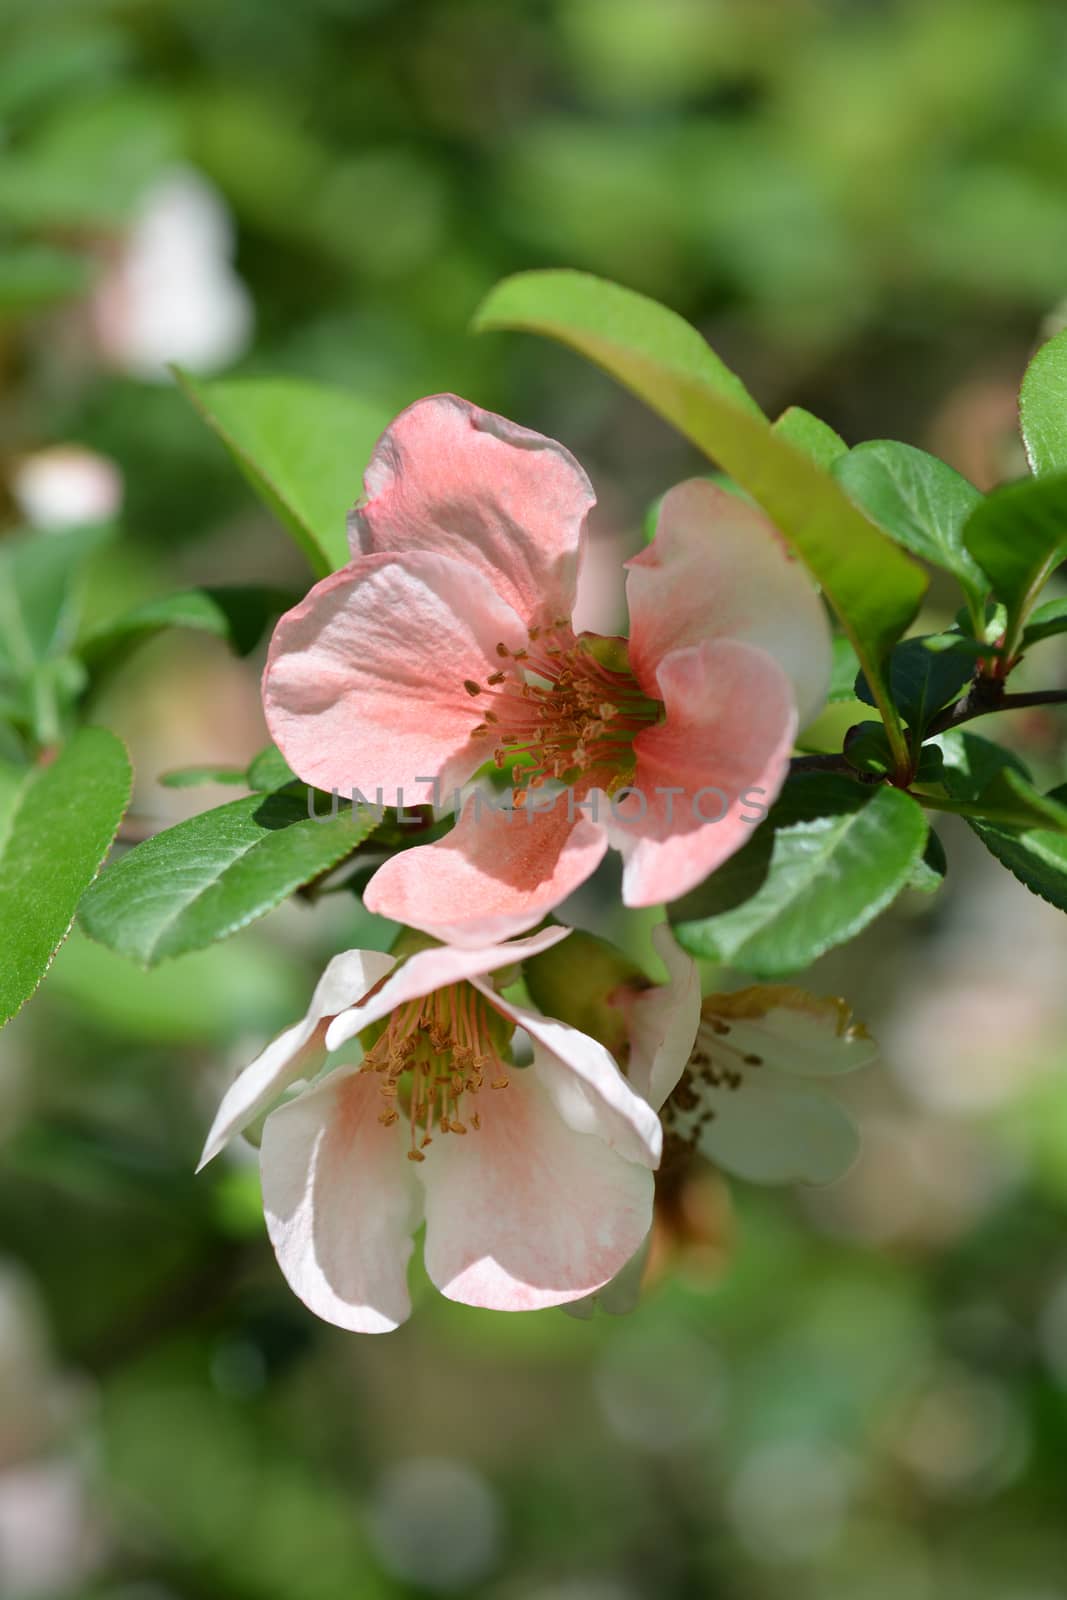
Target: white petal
[
  {"x": 589, "y": 1091},
  {"x": 436, "y": 968},
  {"x": 525, "y": 1212},
  {"x": 802, "y": 1034},
  {"x": 663, "y": 1022},
  {"x": 297, "y": 1051},
  {"x": 341, "y": 1203},
  {"x": 774, "y": 1131}
]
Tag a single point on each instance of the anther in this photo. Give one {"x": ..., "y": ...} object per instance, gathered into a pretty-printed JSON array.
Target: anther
[
  {"x": 472, "y": 687},
  {"x": 416, "y": 1155}
]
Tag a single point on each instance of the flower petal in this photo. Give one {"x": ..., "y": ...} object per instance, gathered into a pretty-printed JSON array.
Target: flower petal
[
  {"x": 364, "y": 686},
  {"x": 341, "y": 1203},
  {"x": 773, "y": 1131},
  {"x": 619, "y": 1297},
  {"x": 495, "y": 874},
  {"x": 297, "y": 1051},
  {"x": 663, "y": 1022},
  {"x": 719, "y": 569},
  {"x": 526, "y": 1212},
  {"x": 724, "y": 751},
  {"x": 586, "y": 1086},
  {"x": 449, "y": 477},
  {"x": 428, "y": 970},
  {"x": 797, "y": 1033}
]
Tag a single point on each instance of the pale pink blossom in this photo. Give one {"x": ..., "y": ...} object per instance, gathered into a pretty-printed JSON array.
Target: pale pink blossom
[
  {"x": 735, "y": 1075},
  {"x": 534, "y": 1182},
  {"x": 448, "y": 643}
]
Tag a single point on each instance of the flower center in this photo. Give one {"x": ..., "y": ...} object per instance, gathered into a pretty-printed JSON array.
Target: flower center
[
  {"x": 434, "y": 1056},
  {"x": 562, "y": 707}
]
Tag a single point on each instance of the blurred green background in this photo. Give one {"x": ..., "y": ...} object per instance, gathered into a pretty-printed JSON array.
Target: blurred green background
[{"x": 859, "y": 1392}]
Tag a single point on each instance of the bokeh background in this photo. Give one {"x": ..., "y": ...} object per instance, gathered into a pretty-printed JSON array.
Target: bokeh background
[{"x": 859, "y": 1392}]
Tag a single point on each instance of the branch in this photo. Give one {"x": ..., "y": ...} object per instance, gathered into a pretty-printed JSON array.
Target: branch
[{"x": 985, "y": 696}]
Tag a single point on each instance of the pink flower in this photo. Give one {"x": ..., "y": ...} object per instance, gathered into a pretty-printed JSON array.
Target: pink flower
[
  {"x": 534, "y": 1182},
  {"x": 447, "y": 642}
]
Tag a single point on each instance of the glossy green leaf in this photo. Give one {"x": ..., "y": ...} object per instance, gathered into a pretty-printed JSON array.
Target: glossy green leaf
[
  {"x": 302, "y": 447},
  {"x": 921, "y": 501},
  {"x": 1018, "y": 535},
  {"x": 929, "y": 872},
  {"x": 239, "y": 614},
  {"x": 56, "y": 826},
  {"x": 1036, "y": 855},
  {"x": 811, "y": 435},
  {"x": 925, "y": 675},
  {"x": 217, "y": 872},
  {"x": 832, "y": 855},
  {"x": 1043, "y": 407},
  {"x": 989, "y": 784},
  {"x": 874, "y": 587},
  {"x": 1045, "y": 622}
]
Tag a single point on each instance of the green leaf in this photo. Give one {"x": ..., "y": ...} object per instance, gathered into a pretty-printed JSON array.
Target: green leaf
[
  {"x": 239, "y": 614},
  {"x": 269, "y": 770},
  {"x": 301, "y": 446},
  {"x": 925, "y": 675},
  {"x": 830, "y": 857},
  {"x": 989, "y": 783},
  {"x": 40, "y": 580},
  {"x": 1043, "y": 407},
  {"x": 1045, "y": 622},
  {"x": 811, "y": 435},
  {"x": 843, "y": 673},
  {"x": 929, "y": 872},
  {"x": 874, "y": 587},
  {"x": 1036, "y": 856},
  {"x": 194, "y": 777},
  {"x": 207, "y": 877},
  {"x": 56, "y": 826},
  {"x": 922, "y": 502},
  {"x": 1018, "y": 535}
]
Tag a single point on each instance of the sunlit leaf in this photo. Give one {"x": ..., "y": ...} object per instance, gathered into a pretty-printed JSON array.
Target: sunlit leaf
[
  {"x": 302, "y": 447},
  {"x": 56, "y": 826}
]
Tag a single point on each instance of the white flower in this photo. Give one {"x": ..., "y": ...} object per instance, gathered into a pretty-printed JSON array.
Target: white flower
[
  {"x": 172, "y": 293},
  {"x": 66, "y": 486}
]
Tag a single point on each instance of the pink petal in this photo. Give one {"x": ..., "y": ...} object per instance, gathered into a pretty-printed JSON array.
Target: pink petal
[
  {"x": 525, "y": 1212},
  {"x": 719, "y": 569},
  {"x": 341, "y": 1203},
  {"x": 663, "y": 1022},
  {"x": 298, "y": 1051},
  {"x": 364, "y": 686},
  {"x": 495, "y": 874},
  {"x": 449, "y": 477},
  {"x": 428, "y": 970},
  {"x": 725, "y": 745},
  {"x": 586, "y": 1086}
]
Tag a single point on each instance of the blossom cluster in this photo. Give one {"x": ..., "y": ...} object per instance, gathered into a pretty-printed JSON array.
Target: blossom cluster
[{"x": 421, "y": 1087}]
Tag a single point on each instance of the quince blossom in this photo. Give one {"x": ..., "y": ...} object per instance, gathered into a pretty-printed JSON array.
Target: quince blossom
[
  {"x": 448, "y": 642},
  {"x": 745, "y": 1096},
  {"x": 534, "y": 1182}
]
